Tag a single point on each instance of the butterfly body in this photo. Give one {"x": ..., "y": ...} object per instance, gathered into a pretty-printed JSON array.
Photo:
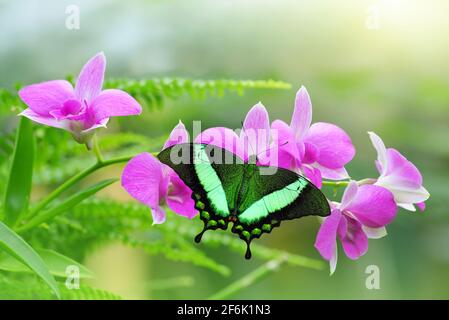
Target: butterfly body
[{"x": 255, "y": 199}]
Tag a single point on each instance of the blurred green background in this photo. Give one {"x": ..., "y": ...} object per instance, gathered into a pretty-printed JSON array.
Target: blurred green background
[{"x": 369, "y": 66}]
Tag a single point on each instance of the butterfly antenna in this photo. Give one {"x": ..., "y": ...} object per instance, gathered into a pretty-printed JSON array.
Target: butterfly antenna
[{"x": 273, "y": 147}]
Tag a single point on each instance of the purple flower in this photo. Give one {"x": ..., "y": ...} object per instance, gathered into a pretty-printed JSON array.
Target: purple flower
[
  {"x": 320, "y": 150},
  {"x": 362, "y": 214},
  {"x": 399, "y": 175},
  {"x": 253, "y": 140},
  {"x": 80, "y": 110},
  {"x": 155, "y": 184}
]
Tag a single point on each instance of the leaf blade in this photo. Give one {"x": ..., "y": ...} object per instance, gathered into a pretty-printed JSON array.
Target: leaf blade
[
  {"x": 19, "y": 183},
  {"x": 56, "y": 263},
  {"x": 14, "y": 245},
  {"x": 66, "y": 205}
]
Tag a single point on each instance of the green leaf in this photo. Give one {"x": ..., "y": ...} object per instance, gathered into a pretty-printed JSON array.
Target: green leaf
[
  {"x": 13, "y": 244},
  {"x": 56, "y": 263},
  {"x": 18, "y": 188},
  {"x": 66, "y": 204}
]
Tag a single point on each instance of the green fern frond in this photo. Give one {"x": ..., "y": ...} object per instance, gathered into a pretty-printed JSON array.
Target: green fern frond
[
  {"x": 153, "y": 92},
  {"x": 94, "y": 222},
  {"x": 29, "y": 287},
  {"x": 104, "y": 220}
]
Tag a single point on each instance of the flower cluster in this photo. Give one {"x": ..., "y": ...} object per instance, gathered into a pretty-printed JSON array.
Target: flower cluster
[
  {"x": 318, "y": 151},
  {"x": 80, "y": 110}
]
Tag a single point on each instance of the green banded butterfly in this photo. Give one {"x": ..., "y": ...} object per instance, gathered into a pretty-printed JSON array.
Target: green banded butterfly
[{"x": 255, "y": 199}]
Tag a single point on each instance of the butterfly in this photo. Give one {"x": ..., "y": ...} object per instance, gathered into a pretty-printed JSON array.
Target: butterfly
[{"x": 254, "y": 198}]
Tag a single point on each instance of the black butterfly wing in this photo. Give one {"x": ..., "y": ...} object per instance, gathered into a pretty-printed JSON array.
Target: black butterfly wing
[
  {"x": 213, "y": 174},
  {"x": 276, "y": 194}
]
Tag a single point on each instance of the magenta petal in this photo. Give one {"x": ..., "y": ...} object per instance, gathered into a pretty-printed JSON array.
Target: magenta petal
[
  {"x": 90, "y": 79},
  {"x": 381, "y": 162},
  {"x": 334, "y": 145},
  {"x": 355, "y": 242},
  {"x": 179, "y": 198},
  {"x": 401, "y": 171},
  {"x": 256, "y": 130},
  {"x": 46, "y": 96},
  {"x": 332, "y": 174},
  {"x": 314, "y": 175},
  {"x": 311, "y": 153},
  {"x": 114, "y": 103},
  {"x": 178, "y": 135},
  {"x": 421, "y": 206},
  {"x": 46, "y": 120},
  {"x": 349, "y": 195},
  {"x": 142, "y": 177},
  {"x": 302, "y": 114},
  {"x": 373, "y": 206},
  {"x": 326, "y": 239},
  {"x": 285, "y": 140},
  {"x": 158, "y": 214},
  {"x": 222, "y": 137}
]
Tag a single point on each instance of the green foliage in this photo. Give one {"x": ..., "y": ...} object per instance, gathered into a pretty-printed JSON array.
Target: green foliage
[
  {"x": 18, "y": 188},
  {"x": 13, "y": 244},
  {"x": 27, "y": 287},
  {"x": 153, "y": 92},
  {"x": 94, "y": 222},
  {"x": 55, "y": 262},
  {"x": 66, "y": 204}
]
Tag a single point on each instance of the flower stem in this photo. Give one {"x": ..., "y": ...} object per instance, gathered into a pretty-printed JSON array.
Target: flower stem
[
  {"x": 335, "y": 184},
  {"x": 76, "y": 178},
  {"x": 96, "y": 150},
  {"x": 249, "y": 279}
]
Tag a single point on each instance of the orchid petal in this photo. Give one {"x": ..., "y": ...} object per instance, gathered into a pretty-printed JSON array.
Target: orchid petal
[
  {"x": 407, "y": 206},
  {"x": 355, "y": 243},
  {"x": 374, "y": 233},
  {"x": 158, "y": 214},
  {"x": 90, "y": 80},
  {"x": 46, "y": 120},
  {"x": 141, "y": 178},
  {"x": 288, "y": 153},
  {"x": 113, "y": 103},
  {"x": 302, "y": 114},
  {"x": 179, "y": 198},
  {"x": 178, "y": 135},
  {"x": 334, "y": 145},
  {"x": 421, "y": 206},
  {"x": 224, "y": 138},
  {"x": 256, "y": 130},
  {"x": 379, "y": 145},
  {"x": 333, "y": 262},
  {"x": 332, "y": 174},
  {"x": 403, "y": 194},
  {"x": 373, "y": 206},
  {"x": 349, "y": 195},
  {"x": 46, "y": 96},
  {"x": 325, "y": 241},
  {"x": 314, "y": 175}
]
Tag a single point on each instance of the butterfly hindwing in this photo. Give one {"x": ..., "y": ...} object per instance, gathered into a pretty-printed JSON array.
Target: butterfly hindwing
[{"x": 277, "y": 196}]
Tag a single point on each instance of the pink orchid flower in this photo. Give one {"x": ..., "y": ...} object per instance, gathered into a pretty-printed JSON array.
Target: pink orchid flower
[
  {"x": 320, "y": 150},
  {"x": 253, "y": 141},
  {"x": 81, "y": 110},
  {"x": 154, "y": 184},
  {"x": 363, "y": 213},
  {"x": 399, "y": 175}
]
